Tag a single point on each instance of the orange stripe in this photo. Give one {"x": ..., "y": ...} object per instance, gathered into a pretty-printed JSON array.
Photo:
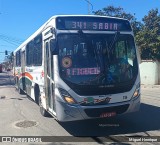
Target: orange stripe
[
  {"x": 26, "y": 74},
  {"x": 29, "y": 75}
]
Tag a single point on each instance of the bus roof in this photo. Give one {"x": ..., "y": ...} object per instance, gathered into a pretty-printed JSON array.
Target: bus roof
[{"x": 55, "y": 16}]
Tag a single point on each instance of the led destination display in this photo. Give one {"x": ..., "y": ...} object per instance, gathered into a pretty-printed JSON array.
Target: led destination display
[{"x": 92, "y": 23}]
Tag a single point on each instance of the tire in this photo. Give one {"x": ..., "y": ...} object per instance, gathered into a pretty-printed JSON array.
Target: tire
[
  {"x": 37, "y": 94},
  {"x": 42, "y": 110},
  {"x": 20, "y": 91},
  {"x": 16, "y": 84}
]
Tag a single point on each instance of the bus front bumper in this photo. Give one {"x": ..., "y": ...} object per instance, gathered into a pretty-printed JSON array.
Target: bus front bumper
[{"x": 66, "y": 112}]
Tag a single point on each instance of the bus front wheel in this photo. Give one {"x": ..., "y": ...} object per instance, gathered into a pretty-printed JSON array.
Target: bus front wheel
[{"x": 42, "y": 110}]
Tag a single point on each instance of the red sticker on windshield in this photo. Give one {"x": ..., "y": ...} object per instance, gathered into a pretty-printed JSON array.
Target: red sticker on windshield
[{"x": 83, "y": 71}]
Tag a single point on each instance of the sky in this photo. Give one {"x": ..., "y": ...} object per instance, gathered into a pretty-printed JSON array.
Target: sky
[{"x": 21, "y": 18}]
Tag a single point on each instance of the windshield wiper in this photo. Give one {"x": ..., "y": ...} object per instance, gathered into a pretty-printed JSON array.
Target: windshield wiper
[{"x": 117, "y": 33}]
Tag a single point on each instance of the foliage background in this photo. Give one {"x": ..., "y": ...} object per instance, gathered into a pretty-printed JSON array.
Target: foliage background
[{"x": 147, "y": 31}]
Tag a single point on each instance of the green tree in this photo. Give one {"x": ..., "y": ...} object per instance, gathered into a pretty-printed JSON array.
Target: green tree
[
  {"x": 147, "y": 34},
  {"x": 119, "y": 12},
  {"x": 148, "y": 39}
]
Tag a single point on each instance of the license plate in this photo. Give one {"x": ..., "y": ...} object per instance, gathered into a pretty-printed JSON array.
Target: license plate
[{"x": 108, "y": 114}]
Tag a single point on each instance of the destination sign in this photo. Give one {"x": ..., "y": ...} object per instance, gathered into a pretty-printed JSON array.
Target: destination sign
[{"x": 92, "y": 23}]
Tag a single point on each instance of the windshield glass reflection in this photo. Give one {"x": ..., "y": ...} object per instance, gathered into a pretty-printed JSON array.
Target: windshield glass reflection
[{"x": 97, "y": 59}]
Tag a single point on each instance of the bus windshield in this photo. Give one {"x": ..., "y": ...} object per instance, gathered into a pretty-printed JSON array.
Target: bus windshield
[{"x": 99, "y": 60}]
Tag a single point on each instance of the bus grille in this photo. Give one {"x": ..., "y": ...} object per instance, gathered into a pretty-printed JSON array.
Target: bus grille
[{"x": 96, "y": 112}]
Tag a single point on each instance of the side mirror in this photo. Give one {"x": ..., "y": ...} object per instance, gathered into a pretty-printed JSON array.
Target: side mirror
[{"x": 53, "y": 47}]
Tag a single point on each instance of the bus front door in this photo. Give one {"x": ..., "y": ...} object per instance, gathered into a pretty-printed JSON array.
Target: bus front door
[{"x": 49, "y": 77}]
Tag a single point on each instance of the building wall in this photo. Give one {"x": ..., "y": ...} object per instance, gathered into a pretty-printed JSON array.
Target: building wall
[{"x": 150, "y": 72}]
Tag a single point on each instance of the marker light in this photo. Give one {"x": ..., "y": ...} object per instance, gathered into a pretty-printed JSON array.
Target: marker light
[{"x": 67, "y": 97}]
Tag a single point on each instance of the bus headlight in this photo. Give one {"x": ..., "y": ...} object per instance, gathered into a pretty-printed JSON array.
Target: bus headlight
[
  {"x": 136, "y": 92},
  {"x": 67, "y": 97}
]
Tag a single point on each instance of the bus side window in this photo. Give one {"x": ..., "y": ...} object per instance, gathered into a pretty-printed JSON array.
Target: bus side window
[{"x": 18, "y": 58}]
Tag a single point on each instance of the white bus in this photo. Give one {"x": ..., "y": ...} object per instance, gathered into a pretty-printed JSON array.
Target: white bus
[{"x": 80, "y": 67}]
